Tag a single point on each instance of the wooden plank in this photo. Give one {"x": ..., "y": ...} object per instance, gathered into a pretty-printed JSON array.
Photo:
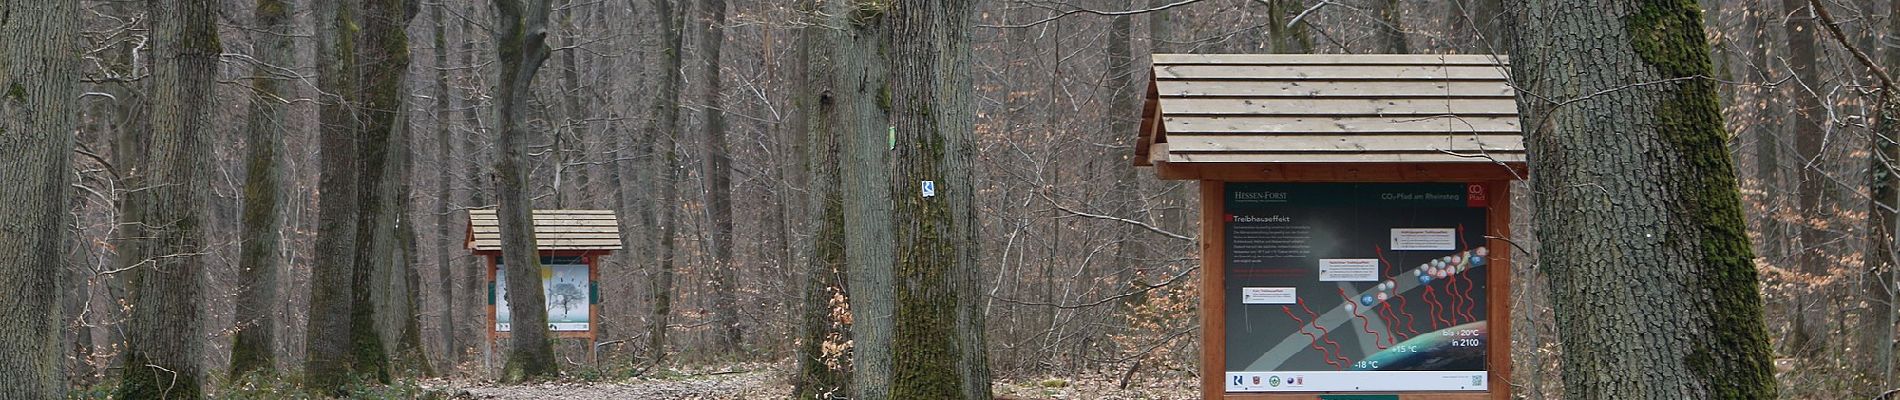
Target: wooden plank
[
  {"x": 1350, "y": 143},
  {"x": 555, "y": 222},
  {"x": 1340, "y": 125},
  {"x": 1311, "y": 89},
  {"x": 1500, "y": 107},
  {"x": 1332, "y": 59},
  {"x": 1493, "y": 157},
  {"x": 558, "y": 242},
  {"x": 546, "y": 217},
  {"x": 1213, "y": 290},
  {"x": 1344, "y": 172},
  {"x": 1330, "y": 72},
  {"x": 1498, "y": 288},
  {"x": 558, "y": 228}
]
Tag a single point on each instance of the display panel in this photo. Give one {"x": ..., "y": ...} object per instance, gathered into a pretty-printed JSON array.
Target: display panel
[
  {"x": 567, "y": 290},
  {"x": 1355, "y": 287}
]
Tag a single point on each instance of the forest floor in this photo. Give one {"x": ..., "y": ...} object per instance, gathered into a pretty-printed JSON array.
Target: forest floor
[{"x": 768, "y": 381}]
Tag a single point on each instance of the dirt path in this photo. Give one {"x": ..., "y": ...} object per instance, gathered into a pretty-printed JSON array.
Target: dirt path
[{"x": 751, "y": 384}]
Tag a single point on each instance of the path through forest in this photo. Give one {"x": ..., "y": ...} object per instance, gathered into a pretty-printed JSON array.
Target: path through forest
[
  {"x": 733, "y": 384},
  {"x": 764, "y": 381}
]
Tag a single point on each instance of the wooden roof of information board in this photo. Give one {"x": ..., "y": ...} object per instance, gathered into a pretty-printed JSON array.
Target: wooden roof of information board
[
  {"x": 1206, "y": 111},
  {"x": 553, "y": 230}
]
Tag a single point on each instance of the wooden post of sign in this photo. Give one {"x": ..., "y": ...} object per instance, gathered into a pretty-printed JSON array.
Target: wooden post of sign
[
  {"x": 1498, "y": 323},
  {"x": 1213, "y": 290}
]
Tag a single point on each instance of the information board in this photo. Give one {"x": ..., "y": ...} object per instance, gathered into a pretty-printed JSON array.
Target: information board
[
  {"x": 567, "y": 290},
  {"x": 1338, "y": 287}
]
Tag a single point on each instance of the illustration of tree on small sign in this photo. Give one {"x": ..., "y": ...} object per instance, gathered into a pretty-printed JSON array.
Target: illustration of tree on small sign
[{"x": 565, "y": 294}]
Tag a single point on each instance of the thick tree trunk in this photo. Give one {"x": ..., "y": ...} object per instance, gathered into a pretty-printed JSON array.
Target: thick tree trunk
[
  {"x": 719, "y": 184},
  {"x": 1805, "y": 126},
  {"x": 327, "y": 353},
  {"x": 445, "y": 221},
  {"x": 258, "y": 259},
  {"x": 39, "y": 70},
  {"x": 824, "y": 350},
  {"x": 522, "y": 48},
  {"x": 163, "y": 345},
  {"x": 938, "y": 341},
  {"x": 1642, "y": 170},
  {"x": 665, "y": 163},
  {"x": 859, "y": 80},
  {"x": 382, "y": 145}
]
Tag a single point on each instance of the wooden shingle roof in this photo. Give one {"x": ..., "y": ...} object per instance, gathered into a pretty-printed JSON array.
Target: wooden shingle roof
[
  {"x": 1329, "y": 109},
  {"x": 553, "y": 230}
]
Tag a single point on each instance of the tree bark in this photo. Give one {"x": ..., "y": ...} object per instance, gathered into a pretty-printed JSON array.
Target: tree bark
[
  {"x": 719, "y": 184},
  {"x": 665, "y": 162},
  {"x": 1638, "y": 164},
  {"x": 258, "y": 259},
  {"x": 938, "y": 341},
  {"x": 824, "y": 349},
  {"x": 522, "y": 47},
  {"x": 163, "y": 345},
  {"x": 39, "y": 70},
  {"x": 327, "y": 353},
  {"x": 1807, "y": 338},
  {"x": 859, "y": 80},
  {"x": 445, "y": 221},
  {"x": 385, "y": 51}
]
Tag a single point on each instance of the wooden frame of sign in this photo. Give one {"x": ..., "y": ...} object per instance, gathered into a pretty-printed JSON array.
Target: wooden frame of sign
[
  {"x": 591, "y": 258},
  {"x": 584, "y": 234},
  {"x": 1350, "y": 124},
  {"x": 1214, "y": 308}
]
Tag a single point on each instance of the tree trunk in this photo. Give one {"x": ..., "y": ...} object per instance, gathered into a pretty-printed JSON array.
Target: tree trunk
[
  {"x": 939, "y": 342},
  {"x": 522, "y": 48},
  {"x": 477, "y": 152},
  {"x": 445, "y": 221},
  {"x": 327, "y": 354},
  {"x": 1806, "y": 129},
  {"x": 1642, "y": 169},
  {"x": 719, "y": 181},
  {"x": 163, "y": 346},
  {"x": 1285, "y": 38},
  {"x": 859, "y": 80},
  {"x": 1391, "y": 29},
  {"x": 39, "y": 71},
  {"x": 824, "y": 351},
  {"x": 665, "y": 162},
  {"x": 1767, "y": 131},
  {"x": 258, "y": 259},
  {"x": 1160, "y": 28},
  {"x": 385, "y": 51},
  {"x": 1481, "y": 22}
]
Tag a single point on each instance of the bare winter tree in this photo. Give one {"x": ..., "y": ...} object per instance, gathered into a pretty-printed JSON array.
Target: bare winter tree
[
  {"x": 163, "y": 345},
  {"x": 521, "y": 43},
  {"x": 260, "y": 259}
]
